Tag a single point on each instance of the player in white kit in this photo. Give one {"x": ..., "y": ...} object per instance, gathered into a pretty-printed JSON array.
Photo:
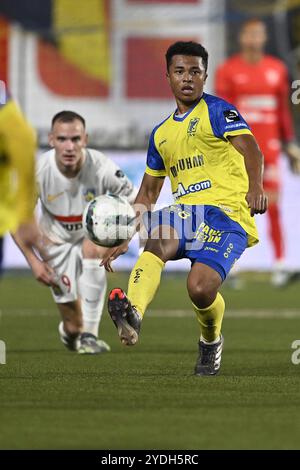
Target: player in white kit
[{"x": 69, "y": 176}]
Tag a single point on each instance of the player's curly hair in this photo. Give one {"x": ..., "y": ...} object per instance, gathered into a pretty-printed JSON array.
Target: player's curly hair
[{"x": 187, "y": 48}]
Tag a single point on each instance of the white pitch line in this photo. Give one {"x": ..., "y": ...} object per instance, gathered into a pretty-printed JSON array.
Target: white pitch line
[
  {"x": 28, "y": 312},
  {"x": 247, "y": 313}
]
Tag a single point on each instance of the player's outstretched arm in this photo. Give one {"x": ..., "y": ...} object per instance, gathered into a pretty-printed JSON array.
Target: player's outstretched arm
[
  {"x": 146, "y": 198},
  {"x": 23, "y": 239},
  {"x": 256, "y": 197}
]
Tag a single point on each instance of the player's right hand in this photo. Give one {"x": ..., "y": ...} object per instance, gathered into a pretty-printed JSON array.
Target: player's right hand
[
  {"x": 257, "y": 200},
  {"x": 112, "y": 254},
  {"x": 43, "y": 272}
]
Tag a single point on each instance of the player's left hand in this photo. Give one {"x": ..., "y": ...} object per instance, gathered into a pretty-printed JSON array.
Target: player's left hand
[
  {"x": 257, "y": 200},
  {"x": 293, "y": 152},
  {"x": 112, "y": 254}
]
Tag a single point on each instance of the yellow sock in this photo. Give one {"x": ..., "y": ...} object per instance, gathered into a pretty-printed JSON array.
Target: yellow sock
[
  {"x": 144, "y": 280},
  {"x": 210, "y": 318}
]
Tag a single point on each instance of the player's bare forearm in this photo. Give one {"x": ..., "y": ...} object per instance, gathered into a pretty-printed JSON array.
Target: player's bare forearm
[
  {"x": 147, "y": 195},
  {"x": 41, "y": 271},
  {"x": 27, "y": 248},
  {"x": 150, "y": 189},
  {"x": 247, "y": 146}
]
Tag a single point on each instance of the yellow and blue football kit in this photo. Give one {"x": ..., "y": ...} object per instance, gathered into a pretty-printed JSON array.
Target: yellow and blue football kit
[
  {"x": 210, "y": 215},
  {"x": 209, "y": 183}
]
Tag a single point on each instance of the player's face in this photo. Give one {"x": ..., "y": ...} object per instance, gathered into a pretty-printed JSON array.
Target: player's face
[
  {"x": 187, "y": 76},
  {"x": 69, "y": 140},
  {"x": 253, "y": 36}
]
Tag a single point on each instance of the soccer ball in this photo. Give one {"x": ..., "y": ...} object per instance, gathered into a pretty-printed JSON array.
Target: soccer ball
[{"x": 109, "y": 220}]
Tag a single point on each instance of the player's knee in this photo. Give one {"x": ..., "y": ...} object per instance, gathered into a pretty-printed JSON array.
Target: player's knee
[
  {"x": 163, "y": 249},
  {"x": 155, "y": 247},
  {"x": 201, "y": 293}
]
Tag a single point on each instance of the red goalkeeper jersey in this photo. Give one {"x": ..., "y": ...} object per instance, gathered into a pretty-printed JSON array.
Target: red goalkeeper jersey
[{"x": 261, "y": 93}]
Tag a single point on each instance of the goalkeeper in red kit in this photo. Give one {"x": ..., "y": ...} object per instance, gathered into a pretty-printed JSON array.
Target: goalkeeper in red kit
[{"x": 257, "y": 84}]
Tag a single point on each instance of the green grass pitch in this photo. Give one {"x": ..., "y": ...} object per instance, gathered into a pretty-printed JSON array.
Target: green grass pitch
[{"x": 146, "y": 397}]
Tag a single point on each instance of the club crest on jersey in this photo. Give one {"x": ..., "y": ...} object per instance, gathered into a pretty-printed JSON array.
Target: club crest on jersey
[
  {"x": 192, "y": 126},
  {"x": 89, "y": 194}
]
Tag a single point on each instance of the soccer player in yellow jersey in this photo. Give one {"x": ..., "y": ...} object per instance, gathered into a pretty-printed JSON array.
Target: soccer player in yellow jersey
[
  {"x": 17, "y": 180},
  {"x": 215, "y": 166}
]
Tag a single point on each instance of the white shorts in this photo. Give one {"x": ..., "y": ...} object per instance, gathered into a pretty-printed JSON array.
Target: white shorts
[{"x": 66, "y": 260}]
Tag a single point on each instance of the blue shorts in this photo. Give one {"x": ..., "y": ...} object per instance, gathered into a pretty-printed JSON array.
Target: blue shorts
[{"x": 206, "y": 234}]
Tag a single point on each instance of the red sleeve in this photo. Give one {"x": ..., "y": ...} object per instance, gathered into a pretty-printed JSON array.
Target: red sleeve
[
  {"x": 284, "y": 113},
  {"x": 223, "y": 86}
]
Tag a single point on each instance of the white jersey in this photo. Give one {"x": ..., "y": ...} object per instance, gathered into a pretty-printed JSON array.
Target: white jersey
[{"x": 64, "y": 199}]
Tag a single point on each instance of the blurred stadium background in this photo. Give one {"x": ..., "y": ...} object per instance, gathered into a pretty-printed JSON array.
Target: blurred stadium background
[{"x": 105, "y": 60}]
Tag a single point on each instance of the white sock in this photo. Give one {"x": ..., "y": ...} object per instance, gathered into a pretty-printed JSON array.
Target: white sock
[
  {"x": 92, "y": 289},
  {"x": 212, "y": 342}
]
